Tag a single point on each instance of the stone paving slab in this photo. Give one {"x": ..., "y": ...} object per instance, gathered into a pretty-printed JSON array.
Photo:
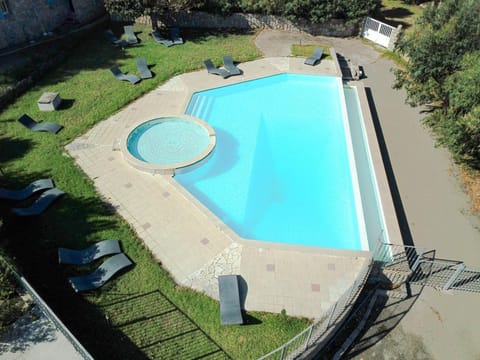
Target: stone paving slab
[{"x": 191, "y": 242}]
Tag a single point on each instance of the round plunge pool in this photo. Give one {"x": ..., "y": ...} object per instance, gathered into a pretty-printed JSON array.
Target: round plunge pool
[{"x": 166, "y": 144}]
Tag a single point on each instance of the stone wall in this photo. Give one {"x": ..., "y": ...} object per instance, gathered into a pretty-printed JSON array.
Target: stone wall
[
  {"x": 335, "y": 27},
  {"x": 28, "y": 20}
]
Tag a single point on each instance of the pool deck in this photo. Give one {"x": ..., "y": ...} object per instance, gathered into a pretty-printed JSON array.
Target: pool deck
[{"x": 184, "y": 236}]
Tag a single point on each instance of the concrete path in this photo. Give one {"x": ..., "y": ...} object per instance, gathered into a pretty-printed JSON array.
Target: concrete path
[
  {"x": 444, "y": 325},
  {"x": 34, "y": 336}
]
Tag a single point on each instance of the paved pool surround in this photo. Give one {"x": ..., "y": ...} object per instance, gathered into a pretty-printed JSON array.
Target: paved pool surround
[{"x": 189, "y": 241}]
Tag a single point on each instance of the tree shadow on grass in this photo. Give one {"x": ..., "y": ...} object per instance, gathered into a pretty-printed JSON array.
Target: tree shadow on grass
[{"x": 32, "y": 243}]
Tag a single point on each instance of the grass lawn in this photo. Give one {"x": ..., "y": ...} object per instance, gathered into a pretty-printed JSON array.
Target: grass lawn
[
  {"x": 398, "y": 12},
  {"x": 143, "y": 313}
]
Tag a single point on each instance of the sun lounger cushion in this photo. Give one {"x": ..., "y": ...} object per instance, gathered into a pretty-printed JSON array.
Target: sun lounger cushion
[
  {"x": 130, "y": 35},
  {"x": 157, "y": 36}
]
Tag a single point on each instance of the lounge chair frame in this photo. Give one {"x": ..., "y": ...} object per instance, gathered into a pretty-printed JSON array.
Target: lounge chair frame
[
  {"x": 157, "y": 36},
  {"x": 130, "y": 36}
]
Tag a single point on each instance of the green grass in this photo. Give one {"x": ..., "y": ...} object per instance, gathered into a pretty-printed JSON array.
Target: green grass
[
  {"x": 307, "y": 50},
  {"x": 143, "y": 312},
  {"x": 397, "y": 12}
]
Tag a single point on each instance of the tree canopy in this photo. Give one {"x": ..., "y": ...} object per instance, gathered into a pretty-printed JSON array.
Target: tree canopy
[{"x": 443, "y": 71}]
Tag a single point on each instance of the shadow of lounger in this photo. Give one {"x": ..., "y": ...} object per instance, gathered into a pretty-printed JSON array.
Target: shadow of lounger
[
  {"x": 26, "y": 192},
  {"x": 130, "y": 35},
  {"x": 87, "y": 255},
  {"x": 230, "y": 308},
  {"x": 41, "y": 204},
  {"x": 214, "y": 70},
  {"x": 101, "y": 275},
  {"x": 143, "y": 69},
  {"x": 125, "y": 77},
  {"x": 31, "y": 124},
  {"x": 230, "y": 66},
  {"x": 315, "y": 57}
]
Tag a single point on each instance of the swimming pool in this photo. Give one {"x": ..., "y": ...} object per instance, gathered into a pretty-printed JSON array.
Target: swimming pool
[{"x": 282, "y": 169}]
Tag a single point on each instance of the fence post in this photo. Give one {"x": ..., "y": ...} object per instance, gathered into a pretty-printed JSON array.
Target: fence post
[
  {"x": 331, "y": 314},
  {"x": 308, "y": 338},
  {"x": 453, "y": 278},
  {"x": 282, "y": 355}
]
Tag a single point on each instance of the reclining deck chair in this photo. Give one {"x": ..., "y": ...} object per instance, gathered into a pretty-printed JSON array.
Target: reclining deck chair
[
  {"x": 87, "y": 255},
  {"x": 40, "y": 204},
  {"x": 31, "y": 124},
  {"x": 157, "y": 36},
  {"x": 26, "y": 192},
  {"x": 130, "y": 35},
  {"x": 101, "y": 275},
  {"x": 230, "y": 308},
  {"x": 230, "y": 66},
  {"x": 133, "y": 79},
  {"x": 315, "y": 57},
  {"x": 143, "y": 69},
  {"x": 214, "y": 70}
]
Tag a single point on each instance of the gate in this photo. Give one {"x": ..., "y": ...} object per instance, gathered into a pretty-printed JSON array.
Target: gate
[{"x": 377, "y": 31}]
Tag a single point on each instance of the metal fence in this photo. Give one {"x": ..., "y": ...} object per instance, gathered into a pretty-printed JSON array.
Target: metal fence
[{"x": 318, "y": 334}]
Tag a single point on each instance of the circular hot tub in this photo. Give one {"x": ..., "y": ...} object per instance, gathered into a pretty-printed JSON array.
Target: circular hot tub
[{"x": 166, "y": 144}]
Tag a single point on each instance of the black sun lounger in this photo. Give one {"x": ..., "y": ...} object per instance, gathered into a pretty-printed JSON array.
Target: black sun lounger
[
  {"x": 31, "y": 124},
  {"x": 214, "y": 70},
  {"x": 315, "y": 57},
  {"x": 143, "y": 69},
  {"x": 230, "y": 66},
  {"x": 230, "y": 309},
  {"x": 86, "y": 256},
  {"x": 101, "y": 275},
  {"x": 114, "y": 40},
  {"x": 41, "y": 203},
  {"x": 175, "y": 35},
  {"x": 130, "y": 35},
  {"x": 157, "y": 36},
  {"x": 26, "y": 192},
  {"x": 133, "y": 79}
]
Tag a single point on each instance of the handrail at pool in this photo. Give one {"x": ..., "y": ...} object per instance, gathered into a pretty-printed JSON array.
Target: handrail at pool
[{"x": 317, "y": 335}]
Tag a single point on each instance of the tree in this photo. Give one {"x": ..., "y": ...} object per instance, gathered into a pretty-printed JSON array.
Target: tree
[
  {"x": 441, "y": 36},
  {"x": 155, "y": 9},
  {"x": 458, "y": 127}
]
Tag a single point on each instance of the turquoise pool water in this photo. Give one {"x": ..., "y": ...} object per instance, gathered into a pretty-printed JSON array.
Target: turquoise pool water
[
  {"x": 167, "y": 141},
  {"x": 281, "y": 168}
]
